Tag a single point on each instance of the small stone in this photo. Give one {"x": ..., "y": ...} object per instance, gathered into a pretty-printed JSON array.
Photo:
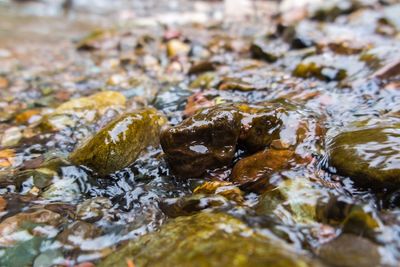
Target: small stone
[
  {"x": 177, "y": 48},
  {"x": 11, "y": 136},
  {"x": 260, "y": 166},
  {"x": 225, "y": 189},
  {"x": 92, "y": 210}
]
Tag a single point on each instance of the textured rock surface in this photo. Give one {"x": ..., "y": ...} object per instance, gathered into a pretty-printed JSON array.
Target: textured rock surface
[
  {"x": 368, "y": 155},
  {"x": 206, "y": 239},
  {"x": 120, "y": 143},
  {"x": 204, "y": 141}
]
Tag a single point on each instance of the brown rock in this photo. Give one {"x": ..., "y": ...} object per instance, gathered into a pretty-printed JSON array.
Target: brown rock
[
  {"x": 258, "y": 167},
  {"x": 204, "y": 141}
]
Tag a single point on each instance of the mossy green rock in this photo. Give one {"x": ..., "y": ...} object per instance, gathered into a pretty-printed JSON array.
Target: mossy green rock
[
  {"x": 206, "y": 239},
  {"x": 120, "y": 143},
  {"x": 368, "y": 155}
]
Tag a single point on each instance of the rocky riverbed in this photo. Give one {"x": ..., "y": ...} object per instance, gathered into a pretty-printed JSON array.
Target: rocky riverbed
[{"x": 267, "y": 138}]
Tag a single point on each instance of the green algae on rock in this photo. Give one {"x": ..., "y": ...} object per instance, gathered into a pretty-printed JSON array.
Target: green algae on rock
[
  {"x": 120, "y": 142},
  {"x": 206, "y": 239},
  {"x": 368, "y": 155}
]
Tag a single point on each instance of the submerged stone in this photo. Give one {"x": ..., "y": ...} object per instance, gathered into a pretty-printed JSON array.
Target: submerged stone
[
  {"x": 368, "y": 155},
  {"x": 184, "y": 206},
  {"x": 120, "y": 143},
  {"x": 292, "y": 201},
  {"x": 350, "y": 251},
  {"x": 225, "y": 189},
  {"x": 206, "y": 239},
  {"x": 253, "y": 172}
]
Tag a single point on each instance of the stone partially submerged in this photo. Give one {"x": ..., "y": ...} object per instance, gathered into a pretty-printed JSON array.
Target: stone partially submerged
[
  {"x": 204, "y": 141},
  {"x": 369, "y": 155},
  {"x": 209, "y": 139},
  {"x": 120, "y": 143},
  {"x": 206, "y": 239}
]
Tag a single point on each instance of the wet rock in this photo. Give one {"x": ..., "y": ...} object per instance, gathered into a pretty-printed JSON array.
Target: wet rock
[
  {"x": 350, "y": 251},
  {"x": 205, "y": 80},
  {"x": 177, "y": 48},
  {"x": 99, "y": 101},
  {"x": 87, "y": 108},
  {"x": 42, "y": 177},
  {"x": 197, "y": 101},
  {"x": 201, "y": 66},
  {"x": 46, "y": 258},
  {"x": 184, "y": 206},
  {"x": 6, "y": 157},
  {"x": 330, "y": 10},
  {"x": 260, "y": 125},
  {"x": 171, "y": 99},
  {"x": 225, "y": 189},
  {"x": 208, "y": 139},
  {"x": 69, "y": 188},
  {"x": 237, "y": 84},
  {"x": 253, "y": 172},
  {"x": 312, "y": 69},
  {"x": 269, "y": 51},
  {"x": 92, "y": 210},
  {"x": 120, "y": 143},
  {"x": 294, "y": 201},
  {"x": 368, "y": 155},
  {"x": 204, "y": 141},
  {"x": 11, "y": 136},
  {"x": 77, "y": 232},
  {"x": 94, "y": 40},
  {"x": 22, "y": 254},
  {"x": 23, "y": 221},
  {"x": 281, "y": 125},
  {"x": 206, "y": 239}
]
